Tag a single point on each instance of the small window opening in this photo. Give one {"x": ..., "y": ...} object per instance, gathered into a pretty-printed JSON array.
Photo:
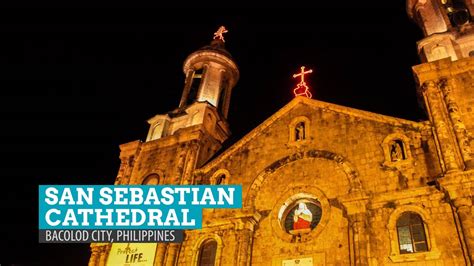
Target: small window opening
[{"x": 195, "y": 83}]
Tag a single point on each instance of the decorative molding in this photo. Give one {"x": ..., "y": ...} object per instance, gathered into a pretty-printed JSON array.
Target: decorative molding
[
  {"x": 159, "y": 173},
  {"x": 349, "y": 170},
  {"x": 213, "y": 178}
]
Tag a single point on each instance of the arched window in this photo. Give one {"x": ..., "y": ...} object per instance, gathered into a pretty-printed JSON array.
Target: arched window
[
  {"x": 457, "y": 12},
  {"x": 195, "y": 84},
  {"x": 207, "y": 253},
  {"x": 223, "y": 94},
  {"x": 411, "y": 233},
  {"x": 220, "y": 179},
  {"x": 153, "y": 179}
]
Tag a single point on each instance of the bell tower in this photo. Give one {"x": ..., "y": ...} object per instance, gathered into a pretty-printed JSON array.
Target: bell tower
[
  {"x": 448, "y": 28},
  {"x": 183, "y": 139},
  {"x": 445, "y": 87},
  {"x": 446, "y": 76},
  {"x": 211, "y": 74}
]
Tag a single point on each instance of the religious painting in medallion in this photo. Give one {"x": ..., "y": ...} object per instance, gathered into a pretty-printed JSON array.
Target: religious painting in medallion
[{"x": 302, "y": 215}]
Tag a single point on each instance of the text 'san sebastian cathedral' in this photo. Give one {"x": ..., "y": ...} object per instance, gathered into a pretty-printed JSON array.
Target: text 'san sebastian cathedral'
[{"x": 324, "y": 184}]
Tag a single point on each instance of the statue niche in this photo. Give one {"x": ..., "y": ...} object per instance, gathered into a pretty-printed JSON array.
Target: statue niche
[
  {"x": 397, "y": 151},
  {"x": 300, "y": 133}
]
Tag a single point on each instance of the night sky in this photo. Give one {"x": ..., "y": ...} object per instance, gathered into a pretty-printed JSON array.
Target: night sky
[{"x": 77, "y": 83}]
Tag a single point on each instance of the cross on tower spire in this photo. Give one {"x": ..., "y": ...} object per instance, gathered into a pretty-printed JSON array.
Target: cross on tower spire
[{"x": 302, "y": 89}]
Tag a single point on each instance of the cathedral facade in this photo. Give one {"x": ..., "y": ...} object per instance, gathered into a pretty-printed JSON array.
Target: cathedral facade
[{"x": 324, "y": 184}]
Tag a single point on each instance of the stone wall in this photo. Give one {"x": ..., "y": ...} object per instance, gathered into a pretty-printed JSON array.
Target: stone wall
[
  {"x": 344, "y": 165},
  {"x": 345, "y": 162}
]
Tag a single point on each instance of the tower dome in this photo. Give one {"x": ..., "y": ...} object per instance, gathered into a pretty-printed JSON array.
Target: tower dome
[{"x": 211, "y": 73}]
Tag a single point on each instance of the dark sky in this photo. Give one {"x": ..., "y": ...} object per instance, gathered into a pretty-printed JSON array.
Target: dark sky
[{"x": 76, "y": 83}]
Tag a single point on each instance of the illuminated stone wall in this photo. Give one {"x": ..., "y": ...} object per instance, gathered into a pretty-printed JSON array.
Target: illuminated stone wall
[
  {"x": 345, "y": 164},
  {"x": 362, "y": 170}
]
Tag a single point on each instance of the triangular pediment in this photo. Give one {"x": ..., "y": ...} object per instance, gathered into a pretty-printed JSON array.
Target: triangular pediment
[{"x": 312, "y": 106}]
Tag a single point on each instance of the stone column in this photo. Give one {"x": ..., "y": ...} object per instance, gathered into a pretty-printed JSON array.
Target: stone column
[
  {"x": 191, "y": 158},
  {"x": 160, "y": 254},
  {"x": 180, "y": 166},
  {"x": 464, "y": 211},
  {"x": 437, "y": 113},
  {"x": 245, "y": 240},
  {"x": 460, "y": 130},
  {"x": 128, "y": 155},
  {"x": 187, "y": 87},
  {"x": 359, "y": 238},
  {"x": 171, "y": 254},
  {"x": 121, "y": 173},
  {"x": 104, "y": 254},
  {"x": 428, "y": 17},
  {"x": 94, "y": 259}
]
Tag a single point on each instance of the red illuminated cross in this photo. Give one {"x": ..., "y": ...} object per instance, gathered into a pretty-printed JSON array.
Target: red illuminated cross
[
  {"x": 302, "y": 89},
  {"x": 302, "y": 74}
]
